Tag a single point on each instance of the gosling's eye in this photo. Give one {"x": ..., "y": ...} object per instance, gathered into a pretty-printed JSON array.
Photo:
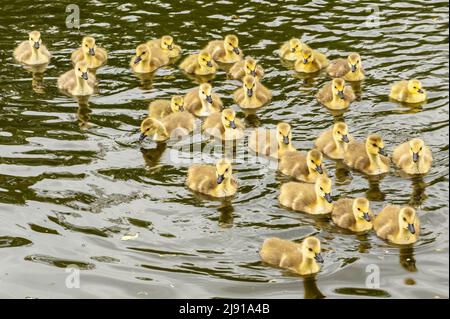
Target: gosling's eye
[
  {"x": 79, "y": 69},
  {"x": 86, "y": 45},
  {"x": 339, "y": 132},
  {"x": 312, "y": 161},
  {"x": 226, "y": 170},
  {"x": 336, "y": 87},
  {"x": 321, "y": 189},
  {"x": 374, "y": 145},
  {"x": 404, "y": 219},
  {"x": 310, "y": 249},
  {"x": 420, "y": 149},
  {"x": 203, "y": 92},
  {"x": 143, "y": 52},
  {"x": 359, "y": 209},
  {"x": 230, "y": 43},
  {"x": 147, "y": 129}
]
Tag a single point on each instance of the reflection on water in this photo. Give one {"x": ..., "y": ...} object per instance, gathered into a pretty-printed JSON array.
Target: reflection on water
[{"x": 74, "y": 179}]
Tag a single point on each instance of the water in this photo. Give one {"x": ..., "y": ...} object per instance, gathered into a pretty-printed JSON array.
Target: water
[{"x": 73, "y": 180}]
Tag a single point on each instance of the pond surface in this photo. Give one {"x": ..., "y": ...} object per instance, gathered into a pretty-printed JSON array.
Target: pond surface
[{"x": 74, "y": 180}]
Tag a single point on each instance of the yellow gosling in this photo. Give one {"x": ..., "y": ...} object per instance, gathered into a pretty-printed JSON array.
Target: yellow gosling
[
  {"x": 216, "y": 181},
  {"x": 352, "y": 214},
  {"x": 272, "y": 143},
  {"x": 333, "y": 142},
  {"x": 145, "y": 61},
  {"x": 224, "y": 125},
  {"x": 199, "y": 64},
  {"x": 308, "y": 198},
  {"x": 310, "y": 61},
  {"x": 302, "y": 259},
  {"x": 201, "y": 101},
  {"x": 408, "y": 91},
  {"x": 78, "y": 81},
  {"x": 413, "y": 157},
  {"x": 226, "y": 50},
  {"x": 252, "y": 94},
  {"x": 90, "y": 53},
  {"x": 167, "y": 45},
  {"x": 249, "y": 66},
  {"x": 32, "y": 51},
  {"x": 159, "y": 109},
  {"x": 369, "y": 157},
  {"x": 306, "y": 168},
  {"x": 336, "y": 95},
  {"x": 172, "y": 126},
  {"x": 288, "y": 49},
  {"x": 349, "y": 69},
  {"x": 399, "y": 225}
]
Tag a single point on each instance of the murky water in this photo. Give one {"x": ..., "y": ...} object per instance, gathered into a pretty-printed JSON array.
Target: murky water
[{"x": 73, "y": 180}]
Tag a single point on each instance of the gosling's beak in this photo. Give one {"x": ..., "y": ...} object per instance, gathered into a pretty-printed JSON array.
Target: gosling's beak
[
  {"x": 236, "y": 50},
  {"x": 366, "y": 216},
  {"x": 319, "y": 169},
  {"x": 137, "y": 60},
  {"x": 415, "y": 157},
  {"x": 381, "y": 151},
  {"x": 341, "y": 94},
  {"x": 91, "y": 51},
  {"x": 318, "y": 257},
  {"x": 209, "y": 64},
  {"x": 232, "y": 124},
  {"x": 220, "y": 179},
  {"x": 328, "y": 197},
  {"x": 345, "y": 138},
  {"x": 286, "y": 140},
  {"x": 142, "y": 137},
  {"x": 411, "y": 229},
  {"x": 181, "y": 107},
  {"x": 250, "y": 92},
  {"x": 84, "y": 75},
  {"x": 170, "y": 46},
  {"x": 209, "y": 99},
  {"x": 37, "y": 45},
  {"x": 420, "y": 91},
  {"x": 353, "y": 68},
  {"x": 305, "y": 61},
  {"x": 292, "y": 50},
  {"x": 253, "y": 72}
]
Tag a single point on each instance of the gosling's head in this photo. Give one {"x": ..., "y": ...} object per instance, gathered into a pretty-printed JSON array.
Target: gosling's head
[
  {"x": 148, "y": 127},
  {"x": 337, "y": 86},
  {"x": 323, "y": 188},
  {"x": 361, "y": 209},
  {"x": 205, "y": 59},
  {"x": 295, "y": 45},
  {"x": 177, "y": 103},
  {"x": 314, "y": 161},
  {"x": 88, "y": 45},
  {"x": 415, "y": 87},
  {"x": 167, "y": 42},
  {"x": 306, "y": 55},
  {"x": 35, "y": 39},
  {"x": 250, "y": 66},
  {"x": 354, "y": 60},
  {"x": 143, "y": 53},
  {"x": 340, "y": 132},
  {"x": 249, "y": 83},
  {"x": 205, "y": 92},
  {"x": 311, "y": 249},
  {"x": 228, "y": 118},
  {"x": 81, "y": 70},
  {"x": 406, "y": 219},
  {"x": 375, "y": 145},
  {"x": 232, "y": 43},
  {"x": 416, "y": 148},
  {"x": 223, "y": 170},
  {"x": 284, "y": 134}
]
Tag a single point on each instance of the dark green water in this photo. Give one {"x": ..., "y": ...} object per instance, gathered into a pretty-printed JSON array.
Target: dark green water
[{"x": 73, "y": 181}]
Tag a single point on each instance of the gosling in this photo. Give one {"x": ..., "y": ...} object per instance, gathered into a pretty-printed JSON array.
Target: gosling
[
  {"x": 145, "y": 61},
  {"x": 201, "y": 101},
  {"x": 333, "y": 142},
  {"x": 159, "y": 109},
  {"x": 310, "y": 61},
  {"x": 249, "y": 66},
  {"x": 302, "y": 259},
  {"x": 94, "y": 56},
  {"x": 288, "y": 49},
  {"x": 335, "y": 95},
  {"x": 306, "y": 168},
  {"x": 352, "y": 214},
  {"x": 399, "y": 225},
  {"x": 224, "y": 125},
  {"x": 167, "y": 45},
  {"x": 199, "y": 64},
  {"x": 216, "y": 181},
  {"x": 408, "y": 92},
  {"x": 173, "y": 126},
  {"x": 308, "y": 198},
  {"x": 369, "y": 157},
  {"x": 32, "y": 51},
  {"x": 78, "y": 81},
  {"x": 226, "y": 50},
  {"x": 349, "y": 69},
  {"x": 272, "y": 143},
  {"x": 413, "y": 157},
  {"x": 252, "y": 94}
]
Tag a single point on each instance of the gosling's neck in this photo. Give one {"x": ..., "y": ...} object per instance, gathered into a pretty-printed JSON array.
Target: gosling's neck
[
  {"x": 90, "y": 59},
  {"x": 82, "y": 86},
  {"x": 36, "y": 54},
  {"x": 375, "y": 161},
  {"x": 225, "y": 186},
  {"x": 405, "y": 236},
  {"x": 361, "y": 224},
  {"x": 283, "y": 148},
  {"x": 161, "y": 133},
  {"x": 230, "y": 55},
  {"x": 143, "y": 66},
  {"x": 308, "y": 265},
  {"x": 206, "y": 107},
  {"x": 341, "y": 146}
]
